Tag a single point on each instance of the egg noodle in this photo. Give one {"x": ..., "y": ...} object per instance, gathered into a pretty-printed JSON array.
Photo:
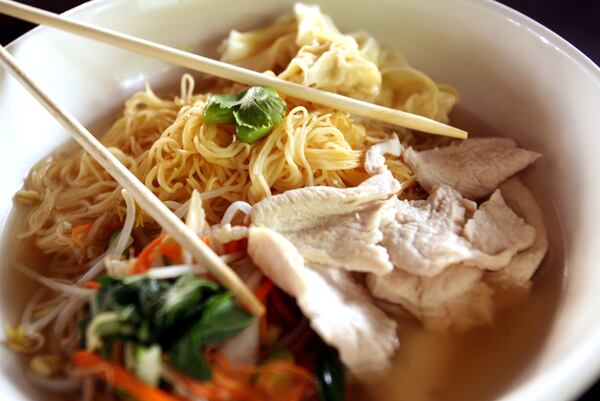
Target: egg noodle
[{"x": 167, "y": 144}]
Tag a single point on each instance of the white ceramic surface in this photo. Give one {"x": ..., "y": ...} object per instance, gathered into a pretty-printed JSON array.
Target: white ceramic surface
[{"x": 514, "y": 75}]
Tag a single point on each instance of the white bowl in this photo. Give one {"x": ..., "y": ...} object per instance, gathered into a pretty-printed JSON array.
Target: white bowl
[{"x": 516, "y": 78}]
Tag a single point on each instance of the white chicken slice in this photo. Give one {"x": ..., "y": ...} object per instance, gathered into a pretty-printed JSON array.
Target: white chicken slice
[
  {"x": 454, "y": 298},
  {"x": 522, "y": 267},
  {"x": 333, "y": 226},
  {"x": 474, "y": 167},
  {"x": 374, "y": 158},
  {"x": 425, "y": 237},
  {"x": 339, "y": 310}
]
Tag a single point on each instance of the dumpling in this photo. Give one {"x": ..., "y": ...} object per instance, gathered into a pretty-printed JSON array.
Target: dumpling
[{"x": 307, "y": 48}]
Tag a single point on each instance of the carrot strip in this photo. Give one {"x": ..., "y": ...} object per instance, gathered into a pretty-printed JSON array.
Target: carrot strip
[
  {"x": 119, "y": 377},
  {"x": 236, "y": 246},
  {"x": 264, "y": 329},
  {"x": 205, "y": 239},
  {"x": 279, "y": 380},
  {"x": 92, "y": 285},
  {"x": 143, "y": 261},
  {"x": 172, "y": 251},
  {"x": 79, "y": 232},
  {"x": 264, "y": 290}
]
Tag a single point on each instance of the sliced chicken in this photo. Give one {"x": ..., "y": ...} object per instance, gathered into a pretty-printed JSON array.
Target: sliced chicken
[
  {"x": 339, "y": 310},
  {"x": 454, "y": 298},
  {"x": 333, "y": 226},
  {"x": 474, "y": 167},
  {"x": 496, "y": 228},
  {"x": 522, "y": 267},
  {"x": 425, "y": 237},
  {"x": 374, "y": 158}
]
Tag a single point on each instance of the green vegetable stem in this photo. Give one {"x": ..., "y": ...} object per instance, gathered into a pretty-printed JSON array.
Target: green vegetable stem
[{"x": 331, "y": 377}]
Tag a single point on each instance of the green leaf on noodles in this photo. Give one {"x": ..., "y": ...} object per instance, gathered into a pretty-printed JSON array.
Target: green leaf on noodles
[
  {"x": 219, "y": 109},
  {"x": 254, "y": 112},
  {"x": 259, "y": 107}
]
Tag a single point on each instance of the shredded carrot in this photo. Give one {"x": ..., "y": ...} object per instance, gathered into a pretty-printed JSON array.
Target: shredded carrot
[
  {"x": 171, "y": 250},
  {"x": 205, "y": 239},
  {"x": 79, "y": 232},
  {"x": 236, "y": 246},
  {"x": 92, "y": 285},
  {"x": 143, "y": 261},
  {"x": 221, "y": 388},
  {"x": 264, "y": 329},
  {"x": 119, "y": 377},
  {"x": 279, "y": 380},
  {"x": 263, "y": 291}
]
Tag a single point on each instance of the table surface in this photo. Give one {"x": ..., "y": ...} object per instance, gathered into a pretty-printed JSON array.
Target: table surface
[{"x": 578, "y": 21}]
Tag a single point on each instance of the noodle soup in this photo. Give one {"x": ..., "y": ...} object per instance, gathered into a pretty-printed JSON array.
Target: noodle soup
[{"x": 315, "y": 210}]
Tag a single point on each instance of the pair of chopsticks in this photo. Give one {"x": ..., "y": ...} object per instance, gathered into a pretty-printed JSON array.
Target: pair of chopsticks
[{"x": 143, "y": 196}]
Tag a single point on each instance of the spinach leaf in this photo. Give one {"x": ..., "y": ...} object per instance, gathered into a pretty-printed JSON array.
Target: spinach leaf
[
  {"x": 221, "y": 319},
  {"x": 331, "y": 377}
]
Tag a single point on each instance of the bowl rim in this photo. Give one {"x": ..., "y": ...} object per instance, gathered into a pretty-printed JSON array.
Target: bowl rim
[{"x": 584, "y": 358}]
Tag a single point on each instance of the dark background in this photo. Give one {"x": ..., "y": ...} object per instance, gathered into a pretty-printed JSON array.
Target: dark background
[{"x": 578, "y": 21}]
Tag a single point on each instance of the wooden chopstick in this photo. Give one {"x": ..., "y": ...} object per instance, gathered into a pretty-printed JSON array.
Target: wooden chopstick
[
  {"x": 228, "y": 71},
  {"x": 183, "y": 234}
]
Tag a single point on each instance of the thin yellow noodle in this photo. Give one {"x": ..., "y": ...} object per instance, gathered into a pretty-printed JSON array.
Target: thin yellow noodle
[{"x": 167, "y": 144}]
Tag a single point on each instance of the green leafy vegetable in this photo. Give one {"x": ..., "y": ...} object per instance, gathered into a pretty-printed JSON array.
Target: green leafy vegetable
[
  {"x": 184, "y": 300},
  {"x": 254, "y": 112},
  {"x": 331, "y": 377},
  {"x": 219, "y": 109},
  {"x": 220, "y": 320},
  {"x": 152, "y": 316},
  {"x": 259, "y": 107},
  {"x": 251, "y": 135}
]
